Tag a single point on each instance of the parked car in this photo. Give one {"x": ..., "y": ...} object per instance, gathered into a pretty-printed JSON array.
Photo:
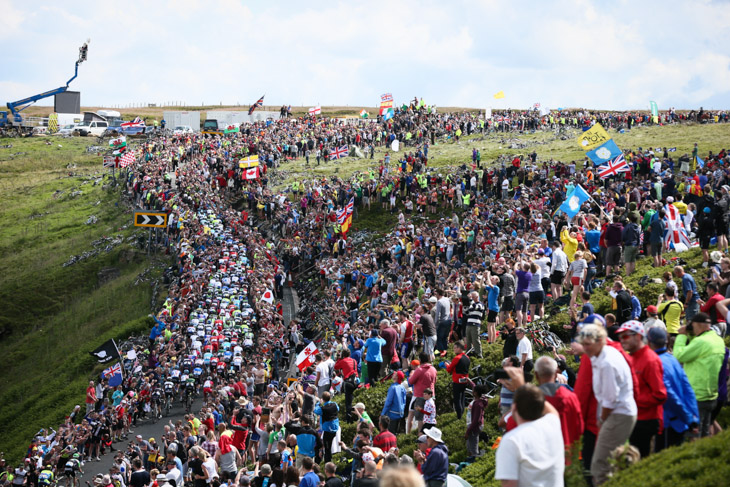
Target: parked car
[
  {"x": 93, "y": 127},
  {"x": 182, "y": 129},
  {"x": 67, "y": 129}
]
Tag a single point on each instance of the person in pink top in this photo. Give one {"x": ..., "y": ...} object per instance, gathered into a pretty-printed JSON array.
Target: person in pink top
[{"x": 424, "y": 377}]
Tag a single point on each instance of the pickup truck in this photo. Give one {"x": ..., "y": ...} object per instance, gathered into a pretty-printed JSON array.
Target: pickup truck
[{"x": 93, "y": 127}]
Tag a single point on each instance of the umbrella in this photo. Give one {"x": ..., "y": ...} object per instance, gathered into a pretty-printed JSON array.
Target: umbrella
[{"x": 456, "y": 481}]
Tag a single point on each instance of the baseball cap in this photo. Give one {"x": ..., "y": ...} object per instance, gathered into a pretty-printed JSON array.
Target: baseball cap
[
  {"x": 651, "y": 309},
  {"x": 415, "y": 363},
  {"x": 421, "y": 439},
  {"x": 670, "y": 199},
  {"x": 657, "y": 335},
  {"x": 634, "y": 326},
  {"x": 432, "y": 299},
  {"x": 161, "y": 477},
  {"x": 399, "y": 376}
]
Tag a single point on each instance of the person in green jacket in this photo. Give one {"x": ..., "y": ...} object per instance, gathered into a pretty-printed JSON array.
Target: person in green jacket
[{"x": 702, "y": 359}]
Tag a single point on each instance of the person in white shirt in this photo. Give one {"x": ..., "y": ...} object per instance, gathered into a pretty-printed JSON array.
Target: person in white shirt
[
  {"x": 323, "y": 373},
  {"x": 558, "y": 270},
  {"x": 613, "y": 388},
  {"x": 524, "y": 350},
  {"x": 532, "y": 454}
]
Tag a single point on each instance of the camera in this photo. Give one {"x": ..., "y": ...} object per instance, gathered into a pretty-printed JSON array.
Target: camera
[{"x": 500, "y": 374}]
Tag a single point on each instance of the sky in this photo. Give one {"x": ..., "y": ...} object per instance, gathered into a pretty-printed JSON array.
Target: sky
[{"x": 616, "y": 54}]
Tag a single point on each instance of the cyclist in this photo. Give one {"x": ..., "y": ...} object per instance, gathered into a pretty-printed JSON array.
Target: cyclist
[
  {"x": 189, "y": 392},
  {"x": 70, "y": 470},
  {"x": 46, "y": 478}
]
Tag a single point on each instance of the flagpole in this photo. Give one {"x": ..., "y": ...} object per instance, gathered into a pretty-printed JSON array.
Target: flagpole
[{"x": 121, "y": 359}]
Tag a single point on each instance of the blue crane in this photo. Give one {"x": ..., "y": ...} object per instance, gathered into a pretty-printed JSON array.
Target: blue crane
[{"x": 16, "y": 107}]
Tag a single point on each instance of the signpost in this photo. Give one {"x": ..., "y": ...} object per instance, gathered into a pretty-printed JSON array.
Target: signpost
[{"x": 150, "y": 219}]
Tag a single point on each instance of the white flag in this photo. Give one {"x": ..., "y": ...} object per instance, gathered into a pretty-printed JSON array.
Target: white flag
[{"x": 268, "y": 296}]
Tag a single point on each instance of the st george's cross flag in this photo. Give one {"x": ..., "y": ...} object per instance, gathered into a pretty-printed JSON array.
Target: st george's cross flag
[
  {"x": 107, "y": 352},
  {"x": 339, "y": 152},
  {"x": 613, "y": 167},
  {"x": 315, "y": 110},
  {"x": 306, "y": 356}
]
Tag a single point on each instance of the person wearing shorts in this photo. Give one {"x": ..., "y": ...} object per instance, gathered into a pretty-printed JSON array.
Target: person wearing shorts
[
  {"x": 613, "y": 257},
  {"x": 521, "y": 302}
]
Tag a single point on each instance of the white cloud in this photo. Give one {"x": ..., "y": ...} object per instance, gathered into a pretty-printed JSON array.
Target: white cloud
[{"x": 563, "y": 53}]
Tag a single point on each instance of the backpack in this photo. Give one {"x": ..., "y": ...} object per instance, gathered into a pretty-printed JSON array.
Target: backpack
[{"x": 666, "y": 309}]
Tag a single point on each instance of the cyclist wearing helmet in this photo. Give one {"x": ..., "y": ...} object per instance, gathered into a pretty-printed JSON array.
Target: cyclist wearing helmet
[
  {"x": 46, "y": 478},
  {"x": 69, "y": 471}
]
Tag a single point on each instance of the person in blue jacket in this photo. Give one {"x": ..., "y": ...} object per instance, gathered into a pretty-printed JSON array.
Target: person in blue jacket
[
  {"x": 374, "y": 356},
  {"x": 435, "y": 466},
  {"x": 680, "y": 409},
  {"x": 395, "y": 403}
]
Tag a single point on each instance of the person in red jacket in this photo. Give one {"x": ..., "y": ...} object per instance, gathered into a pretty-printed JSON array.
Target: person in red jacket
[
  {"x": 563, "y": 399},
  {"x": 424, "y": 377},
  {"x": 584, "y": 390},
  {"x": 459, "y": 370},
  {"x": 652, "y": 392}
]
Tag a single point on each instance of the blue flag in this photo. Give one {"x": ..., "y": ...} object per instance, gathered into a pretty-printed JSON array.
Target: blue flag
[
  {"x": 604, "y": 152},
  {"x": 113, "y": 374},
  {"x": 571, "y": 206},
  {"x": 700, "y": 162},
  {"x": 388, "y": 114}
]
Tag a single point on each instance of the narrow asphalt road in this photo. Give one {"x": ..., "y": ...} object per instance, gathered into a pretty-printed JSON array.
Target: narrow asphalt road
[{"x": 147, "y": 428}]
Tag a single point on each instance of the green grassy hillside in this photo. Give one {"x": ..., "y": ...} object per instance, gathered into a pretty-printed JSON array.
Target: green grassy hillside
[{"x": 54, "y": 314}]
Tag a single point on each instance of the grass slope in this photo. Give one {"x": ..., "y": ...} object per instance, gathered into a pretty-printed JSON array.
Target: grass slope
[{"x": 53, "y": 315}]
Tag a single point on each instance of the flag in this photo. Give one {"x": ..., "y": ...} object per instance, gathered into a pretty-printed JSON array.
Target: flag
[
  {"x": 110, "y": 161},
  {"x": 364, "y": 113},
  {"x": 499, "y": 95},
  {"x": 386, "y": 97},
  {"x": 344, "y": 216},
  {"x": 613, "y": 167},
  {"x": 674, "y": 232},
  {"x": 113, "y": 374},
  {"x": 252, "y": 173},
  {"x": 306, "y": 356},
  {"x": 593, "y": 137},
  {"x": 536, "y": 106},
  {"x": 127, "y": 159},
  {"x": 315, "y": 111},
  {"x": 605, "y": 152},
  {"x": 572, "y": 205},
  {"x": 654, "y": 108},
  {"x": 700, "y": 162},
  {"x": 387, "y": 114},
  {"x": 118, "y": 142},
  {"x": 107, "y": 352},
  {"x": 136, "y": 123},
  {"x": 268, "y": 296},
  {"x": 256, "y": 105},
  {"x": 247, "y": 162},
  {"x": 232, "y": 129},
  {"x": 339, "y": 152}
]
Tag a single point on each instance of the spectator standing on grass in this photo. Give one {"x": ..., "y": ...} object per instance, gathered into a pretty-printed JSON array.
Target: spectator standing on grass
[
  {"x": 374, "y": 356},
  {"x": 614, "y": 391},
  {"x": 524, "y": 350},
  {"x": 533, "y": 452},
  {"x": 395, "y": 403},
  {"x": 562, "y": 398},
  {"x": 690, "y": 297},
  {"x": 702, "y": 358},
  {"x": 651, "y": 393},
  {"x": 474, "y": 317},
  {"x": 459, "y": 370},
  {"x": 680, "y": 408},
  {"x": 435, "y": 466},
  {"x": 475, "y": 421}
]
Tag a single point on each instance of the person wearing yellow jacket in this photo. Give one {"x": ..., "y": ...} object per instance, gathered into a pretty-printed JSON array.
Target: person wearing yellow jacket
[{"x": 570, "y": 243}]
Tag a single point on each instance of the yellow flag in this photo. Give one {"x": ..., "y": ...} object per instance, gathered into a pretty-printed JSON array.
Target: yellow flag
[
  {"x": 499, "y": 95},
  {"x": 593, "y": 137},
  {"x": 248, "y": 162}
]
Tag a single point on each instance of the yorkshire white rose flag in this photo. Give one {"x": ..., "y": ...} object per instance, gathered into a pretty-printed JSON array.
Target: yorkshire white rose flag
[{"x": 571, "y": 206}]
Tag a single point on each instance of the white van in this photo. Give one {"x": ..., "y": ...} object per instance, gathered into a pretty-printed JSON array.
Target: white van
[{"x": 91, "y": 127}]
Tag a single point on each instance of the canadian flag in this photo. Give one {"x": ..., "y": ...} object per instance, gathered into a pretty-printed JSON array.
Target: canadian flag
[
  {"x": 268, "y": 296},
  {"x": 306, "y": 356},
  {"x": 252, "y": 173}
]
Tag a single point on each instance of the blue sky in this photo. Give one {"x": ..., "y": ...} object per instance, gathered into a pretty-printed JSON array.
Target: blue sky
[{"x": 563, "y": 53}]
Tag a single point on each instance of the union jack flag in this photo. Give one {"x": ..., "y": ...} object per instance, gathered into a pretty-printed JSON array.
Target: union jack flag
[
  {"x": 346, "y": 211},
  {"x": 386, "y": 97},
  {"x": 675, "y": 232},
  {"x": 137, "y": 122},
  {"x": 339, "y": 152},
  {"x": 256, "y": 105},
  {"x": 112, "y": 371},
  {"x": 613, "y": 167}
]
